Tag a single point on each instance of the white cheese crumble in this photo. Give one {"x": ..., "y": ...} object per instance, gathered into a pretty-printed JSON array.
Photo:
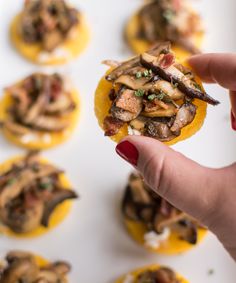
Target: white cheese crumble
[
  {"x": 58, "y": 53},
  {"x": 128, "y": 279},
  {"x": 153, "y": 240},
  {"x": 46, "y": 138},
  {"x": 27, "y": 138},
  {"x": 133, "y": 132}
]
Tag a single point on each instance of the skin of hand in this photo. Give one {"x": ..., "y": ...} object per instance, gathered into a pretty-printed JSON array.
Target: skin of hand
[{"x": 209, "y": 195}]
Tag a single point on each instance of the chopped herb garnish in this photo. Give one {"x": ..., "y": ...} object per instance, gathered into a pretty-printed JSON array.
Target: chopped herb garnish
[
  {"x": 45, "y": 185},
  {"x": 11, "y": 181},
  {"x": 152, "y": 97},
  {"x": 138, "y": 75},
  {"x": 197, "y": 86},
  {"x": 146, "y": 73},
  {"x": 168, "y": 15},
  {"x": 150, "y": 72},
  {"x": 174, "y": 85},
  {"x": 139, "y": 92}
]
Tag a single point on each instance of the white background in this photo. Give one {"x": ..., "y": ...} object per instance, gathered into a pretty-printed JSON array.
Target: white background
[{"x": 93, "y": 238}]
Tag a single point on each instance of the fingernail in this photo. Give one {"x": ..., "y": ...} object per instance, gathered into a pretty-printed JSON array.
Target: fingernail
[
  {"x": 233, "y": 121},
  {"x": 128, "y": 152}
]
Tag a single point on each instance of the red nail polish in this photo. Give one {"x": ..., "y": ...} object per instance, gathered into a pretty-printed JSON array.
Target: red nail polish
[
  {"x": 128, "y": 152},
  {"x": 233, "y": 121}
]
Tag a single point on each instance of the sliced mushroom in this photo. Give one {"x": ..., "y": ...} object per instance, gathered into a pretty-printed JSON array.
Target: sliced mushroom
[
  {"x": 169, "y": 112},
  {"x": 159, "y": 130},
  {"x": 16, "y": 128},
  {"x": 57, "y": 197},
  {"x": 49, "y": 123},
  {"x": 38, "y": 106},
  {"x": 24, "y": 270},
  {"x": 139, "y": 194},
  {"x": 169, "y": 74},
  {"x": 25, "y": 177},
  {"x": 185, "y": 116},
  {"x": 125, "y": 67},
  {"x": 23, "y": 219}
]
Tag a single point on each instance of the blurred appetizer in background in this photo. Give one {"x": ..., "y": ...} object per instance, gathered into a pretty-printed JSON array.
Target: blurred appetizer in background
[
  {"x": 155, "y": 223},
  {"x": 166, "y": 20},
  {"x": 19, "y": 266},
  {"x": 34, "y": 196},
  {"x": 151, "y": 95},
  {"x": 40, "y": 111},
  {"x": 49, "y": 32},
  {"x": 152, "y": 274}
]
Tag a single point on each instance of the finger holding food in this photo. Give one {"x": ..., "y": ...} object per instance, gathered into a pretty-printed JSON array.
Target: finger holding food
[{"x": 151, "y": 95}]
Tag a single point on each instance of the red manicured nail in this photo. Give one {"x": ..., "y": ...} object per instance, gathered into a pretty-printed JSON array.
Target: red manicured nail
[
  {"x": 233, "y": 121},
  {"x": 128, "y": 152}
]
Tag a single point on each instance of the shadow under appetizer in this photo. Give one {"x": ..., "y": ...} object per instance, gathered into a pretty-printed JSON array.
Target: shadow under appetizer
[
  {"x": 49, "y": 32},
  {"x": 166, "y": 20},
  {"x": 34, "y": 196},
  {"x": 40, "y": 111},
  {"x": 19, "y": 266},
  {"x": 152, "y": 274},
  {"x": 155, "y": 223},
  {"x": 151, "y": 95}
]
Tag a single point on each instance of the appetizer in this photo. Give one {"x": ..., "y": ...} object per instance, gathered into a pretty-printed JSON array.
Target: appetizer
[
  {"x": 40, "y": 111},
  {"x": 166, "y": 20},
  {"x": 34, "y": 196},
  {"x": 49, "y": 32},
  {"x": 19, "y": 266},
  {"x": 152, "y": 274},
  {"x": 155, "y": 223},
  {"x": 151, "y": 95}
]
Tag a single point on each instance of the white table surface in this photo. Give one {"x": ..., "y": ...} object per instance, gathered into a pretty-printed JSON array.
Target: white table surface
[{"x": 93, "y": 238}]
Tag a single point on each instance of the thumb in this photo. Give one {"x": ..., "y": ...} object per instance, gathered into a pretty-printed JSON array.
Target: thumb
[{"x": 184, "y": 183}]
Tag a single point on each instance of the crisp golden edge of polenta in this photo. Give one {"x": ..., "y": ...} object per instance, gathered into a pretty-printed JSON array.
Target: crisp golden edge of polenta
[
  {"x": 152, "y": 267},
  {"x": 172, "y": 246}
]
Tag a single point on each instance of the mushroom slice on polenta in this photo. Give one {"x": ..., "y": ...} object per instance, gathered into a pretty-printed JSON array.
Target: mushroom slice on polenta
[
  {"x": 25, "y": 267},
  {"x": 33, "y": 193},
  {"x": 40, "y": 111},
  {"x": 152, "y": 274},
  {"x": 151, "y": 95},
  {"x": 49, "y": 31},
  {"x": 155, "y": 223},
  {"x": 161, "y": 20}
]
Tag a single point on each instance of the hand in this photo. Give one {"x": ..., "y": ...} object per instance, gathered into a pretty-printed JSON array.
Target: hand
[{"x": 207, "y": 194}]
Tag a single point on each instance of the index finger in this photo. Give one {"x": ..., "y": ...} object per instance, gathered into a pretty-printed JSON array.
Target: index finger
[{"x": 216, "y": 68}]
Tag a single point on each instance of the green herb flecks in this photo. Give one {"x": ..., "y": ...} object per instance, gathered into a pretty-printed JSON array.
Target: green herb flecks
[
  {"x": 45, "y": 186},
  {"x": 138, "y": 75},
  {"x": 139, "y": 92},
  {"x": 169, "y": 15},
  {"x": 152, "y": 97},
  {"x": 197, "y": 86},
  {"x": 11, "y": 181},
  {"x": 145, "y": 74}
]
